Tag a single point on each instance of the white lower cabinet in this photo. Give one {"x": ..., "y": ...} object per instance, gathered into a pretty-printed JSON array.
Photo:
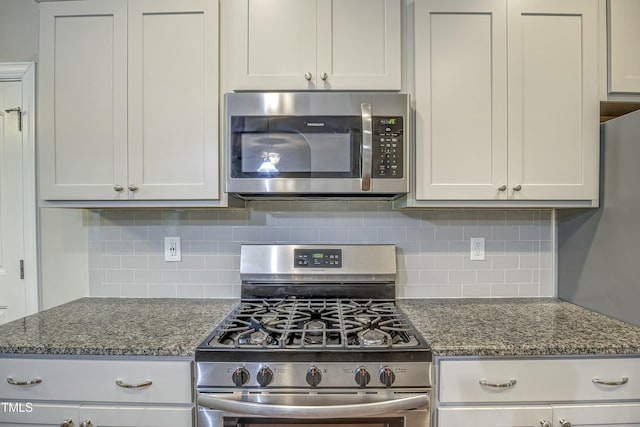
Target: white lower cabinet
[
  {"x": 91, "y": 393},
  {"x": 537, "y": 416},
  {"x": 550, "y": 392},
  {"x": 494, "y": 416}
]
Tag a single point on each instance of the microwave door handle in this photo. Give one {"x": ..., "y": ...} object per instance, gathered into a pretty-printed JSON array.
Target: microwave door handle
[
  {"x": 367, "y": 146},
  {"x": 309, "y": 412}
]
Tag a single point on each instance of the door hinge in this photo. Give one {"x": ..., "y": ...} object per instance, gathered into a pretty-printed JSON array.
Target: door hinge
[
  {"x": 22, "y": 269},
  {"x": 19, "y": 111}
]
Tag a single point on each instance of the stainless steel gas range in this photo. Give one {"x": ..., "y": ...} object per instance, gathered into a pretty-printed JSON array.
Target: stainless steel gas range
[{"x": 316, "y": 340}]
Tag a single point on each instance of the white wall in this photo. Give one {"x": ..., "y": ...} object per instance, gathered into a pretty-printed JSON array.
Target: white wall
[
  {"x": 63, "y": 232},
  {"x": 18, "y": 30}
]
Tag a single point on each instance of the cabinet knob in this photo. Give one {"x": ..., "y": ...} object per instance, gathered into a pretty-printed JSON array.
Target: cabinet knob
[
  {"x": 308, "y": 76},
  {"x": 564, "y": 423},
  {"x": 502, "y": 187},
  {"x": 132, "y": 187},
  {"x": 86, "y": 423},
  {"x": 517, "y": 187},
  {"x": 324, "y": 76},
  {"x": 67, "y": 423},
  {"x": 545, "y": 423},
  {"x": 118, "y": 188}
]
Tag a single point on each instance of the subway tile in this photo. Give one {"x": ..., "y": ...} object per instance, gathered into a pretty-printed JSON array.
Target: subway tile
[
  {"x": 391, "y": 234},
  {"x": 135, "y": 262},
  {"x": 364, "y": 235},
  {"x": 519, "y": 247},
  {"x": 126, "y": 247},
  {"x": 204, "y": 276},
  {"x": 504, "y": 262},
  {"x": 134, "y": 290},
  {"x": 504, "y": 290},
  {"x": 529, "y": 290},
  {"x": 476, "y": 290},
  {"x": 175, "y": 276},
  {"x": 462, "y": 276},
  {"x": 119, "y": 276},
  {"x": 449, "y": 233},
  {"x": 449, "y": 262},
  {"x": 275, "y": 234},
  {"x": 519, "y": 276},
  {"x": 162, "y": 290},
  {"x": 190, "y": 291},
  {"x": 434, "y": 276},
  {"x": 147, "y": 276},
  {"x": 447, "y": 291},
  {"x": 419, "y": 262},
  {"x": 507, "y": 232}
]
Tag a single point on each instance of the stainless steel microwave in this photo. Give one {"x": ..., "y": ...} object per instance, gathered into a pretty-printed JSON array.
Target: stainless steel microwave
[{"x": 333, "y": 144}]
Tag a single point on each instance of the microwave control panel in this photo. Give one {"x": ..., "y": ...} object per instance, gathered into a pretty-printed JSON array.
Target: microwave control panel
[{"x": 388, "y": 147}]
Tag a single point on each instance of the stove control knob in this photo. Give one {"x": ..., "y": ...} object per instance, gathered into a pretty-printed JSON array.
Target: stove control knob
[
  {"x": 362, "y": 377},
  {"x": 240, "y": 376},
  {"x": 314, "y": 376},
  {"x": 264, "y": 376},
  {"x": 387, "y": 377}
]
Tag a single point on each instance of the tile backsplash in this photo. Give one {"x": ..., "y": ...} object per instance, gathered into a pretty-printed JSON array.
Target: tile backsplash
[{"x": 126, "y": 247}]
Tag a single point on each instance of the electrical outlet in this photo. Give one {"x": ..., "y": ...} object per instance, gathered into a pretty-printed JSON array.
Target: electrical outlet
[
  {"x": 477, "y": 249},
  {"x": 172, "y": 250}
]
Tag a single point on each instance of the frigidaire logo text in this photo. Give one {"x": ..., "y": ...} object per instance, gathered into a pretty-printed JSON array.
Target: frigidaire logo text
[
  {"x": 17, "y": 407},
  {"x": 315, "y": 124}
]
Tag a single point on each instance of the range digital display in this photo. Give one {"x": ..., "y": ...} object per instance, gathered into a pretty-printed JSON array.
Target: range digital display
[{"x": 313, "y": 258}]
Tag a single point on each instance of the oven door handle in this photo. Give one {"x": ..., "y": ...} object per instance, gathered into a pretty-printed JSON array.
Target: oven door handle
[
  {"x": 367, "y": 146},
  {"x": 307, "y": 411}
]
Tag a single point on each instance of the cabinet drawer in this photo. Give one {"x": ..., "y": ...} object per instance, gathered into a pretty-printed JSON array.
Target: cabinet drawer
[
  {"x": 95, "y": 380},
  {"x": 555, "y": 380}
]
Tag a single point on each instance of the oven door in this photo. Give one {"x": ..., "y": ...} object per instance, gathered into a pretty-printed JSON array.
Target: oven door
[{"x": 347, "y": 409}]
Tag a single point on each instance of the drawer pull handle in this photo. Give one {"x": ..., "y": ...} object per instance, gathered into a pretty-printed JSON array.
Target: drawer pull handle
[
  {"x": 34, "y": 381},
  {"x": 485, "y": 383},
  {"x": 145, "y": 384},
  {"x": 624, "y": 380}
]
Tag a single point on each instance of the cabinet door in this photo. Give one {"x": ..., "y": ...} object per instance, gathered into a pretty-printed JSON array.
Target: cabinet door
[
  {"x": 359, "y": 44},
  {"x": 553, "y": 100},
  {"x": 136, "y": 416},
  {"x": 37, "y": 414},
  {"x": 272, "y": 44},
  {"x": 173, "y": 99},
  {"x": 82, "y": 136},
  {"x": 461, "y": 99},
  {"x": 506, "y": 416},
  {"x": 621, "y": 415},
  {"x": 624, "y": 56}
]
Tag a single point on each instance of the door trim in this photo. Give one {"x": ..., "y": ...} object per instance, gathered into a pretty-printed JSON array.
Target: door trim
[{"x": 25, "y": 72}]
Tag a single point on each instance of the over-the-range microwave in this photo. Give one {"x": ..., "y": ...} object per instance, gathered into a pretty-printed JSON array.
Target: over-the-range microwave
[{"x": 318, "y": 144}]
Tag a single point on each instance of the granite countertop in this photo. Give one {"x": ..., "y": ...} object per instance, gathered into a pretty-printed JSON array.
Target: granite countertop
[
  {"x": 453, "y": 327},
  {"x": 116, "y": 327},
  {"x": 518, "y": 327}
]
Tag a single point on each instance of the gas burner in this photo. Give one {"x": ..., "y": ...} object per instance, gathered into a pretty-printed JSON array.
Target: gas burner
[
  {"x": 374, "y": 337},
  {"x": 314, "y": 332},
  {"x": 255, "y": 338}
]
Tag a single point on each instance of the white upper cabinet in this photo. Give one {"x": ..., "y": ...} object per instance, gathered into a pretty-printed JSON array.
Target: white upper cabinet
[
  {"x": 507, "y": 101},
  {"x": 83, "y": 99},
  {"x": 129, "y": 110},
  {"x": 461, "y": 98},
  {"x": 624, "y": 55},
  {"x": 314, "y": 44}
]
